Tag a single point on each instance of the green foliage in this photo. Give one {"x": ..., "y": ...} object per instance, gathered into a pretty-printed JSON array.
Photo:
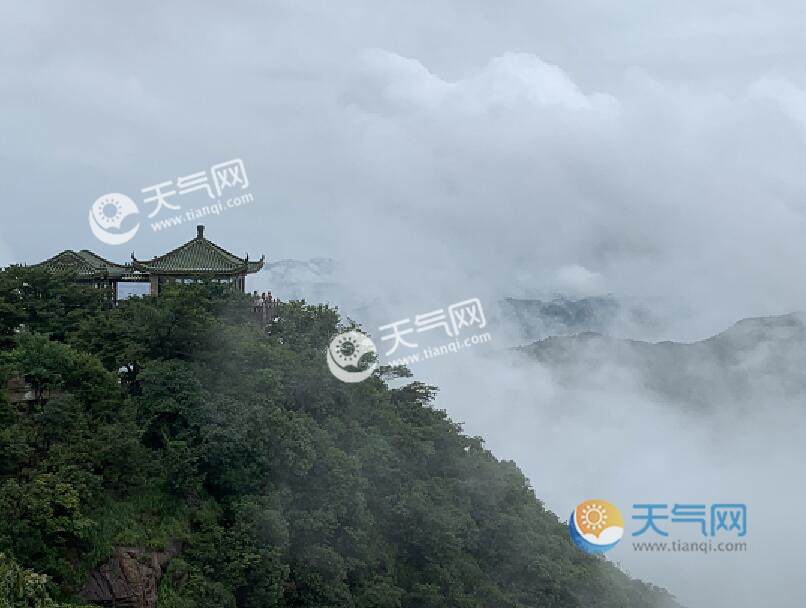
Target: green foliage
[
  {"x": 185, "y": 586},
  {"x": 21, "y": 588},
  {"x": 52, "y": 366},
  {"x": 44, "y": 302},
  {"x": 149, "y": 518},
  {"x": 178, "y": 418}
]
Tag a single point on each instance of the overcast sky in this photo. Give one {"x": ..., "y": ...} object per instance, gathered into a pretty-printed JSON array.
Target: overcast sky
[
  {"x": 652, "y": 149},
  {"x": 438, "y": 150}
]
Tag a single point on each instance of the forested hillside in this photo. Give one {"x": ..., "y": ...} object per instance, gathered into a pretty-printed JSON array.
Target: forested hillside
[{"x": 231, "y": 469}]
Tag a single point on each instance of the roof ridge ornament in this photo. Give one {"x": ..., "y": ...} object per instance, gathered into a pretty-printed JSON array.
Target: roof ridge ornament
[{"x": 200, "y": 231}]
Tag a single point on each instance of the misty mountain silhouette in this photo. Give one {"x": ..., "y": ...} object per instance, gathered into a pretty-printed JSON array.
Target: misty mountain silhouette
[
  {"x": 756, "y": 356},
  {"x": 562, "y": 315}
]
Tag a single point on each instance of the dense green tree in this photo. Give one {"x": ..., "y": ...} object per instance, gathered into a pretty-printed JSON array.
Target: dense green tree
[
  {"x": 21, "y": 588},
  {"x": 45, "y": 302},
  {"x": 179, "y": 418}
]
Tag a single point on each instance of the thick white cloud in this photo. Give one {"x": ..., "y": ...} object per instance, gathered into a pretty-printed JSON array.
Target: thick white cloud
[
  {"x": 649, "y": 187},
  {"x": 459, "y": 150},
  {"x": 511, "y": 81}
]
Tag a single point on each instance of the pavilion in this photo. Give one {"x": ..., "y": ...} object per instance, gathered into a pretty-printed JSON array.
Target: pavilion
[{"x": 198, "y": 260}]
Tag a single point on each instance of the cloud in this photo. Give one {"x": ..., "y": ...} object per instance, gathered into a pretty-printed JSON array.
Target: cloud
[
  {"x": 648, "y": 187},
  {"x": 6, "y": 254},
  {"x": 508, "y": 82},
  {"x": 787, "y": 96},
  {"x": 450, "y": 151},
  {"x": 578, "y": 280},
  {"x": 608, "y": 437},
  {"x": 479, "y": 154}
]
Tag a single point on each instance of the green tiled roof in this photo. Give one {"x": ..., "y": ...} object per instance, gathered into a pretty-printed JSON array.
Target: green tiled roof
[
  {"x": 199, "y": 255},
  {"x": 85, "y": 264}
]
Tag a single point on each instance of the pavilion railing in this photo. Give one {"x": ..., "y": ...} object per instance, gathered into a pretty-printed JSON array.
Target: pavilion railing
[{"x": 265, "y": 311}]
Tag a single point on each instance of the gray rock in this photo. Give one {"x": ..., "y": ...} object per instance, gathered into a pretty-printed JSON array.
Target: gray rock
[{"x": 129, "y": 578}]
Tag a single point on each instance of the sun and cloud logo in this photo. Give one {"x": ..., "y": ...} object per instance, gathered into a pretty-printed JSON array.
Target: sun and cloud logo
[
  {"x": 352, "y": 356},
  {"x": 108, "y": 212},
  {"x": 596, "y": 526}
]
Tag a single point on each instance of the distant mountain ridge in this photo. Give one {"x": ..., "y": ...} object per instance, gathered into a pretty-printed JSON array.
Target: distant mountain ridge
[
  {"x": 537, "y": 318},
  {"x": 758, "y": 354},
  {"x": 319, "y": 280},
  {"x": 301, "y": 279}
]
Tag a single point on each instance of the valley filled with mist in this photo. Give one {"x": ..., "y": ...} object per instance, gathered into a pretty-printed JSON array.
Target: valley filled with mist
[{"x": 591, "y": 397}]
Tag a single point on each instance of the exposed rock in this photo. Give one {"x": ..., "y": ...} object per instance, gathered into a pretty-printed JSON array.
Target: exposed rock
[{"x": 130, "y": 578}]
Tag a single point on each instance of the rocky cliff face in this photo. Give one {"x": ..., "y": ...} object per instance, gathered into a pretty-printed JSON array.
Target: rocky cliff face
[{"x": 130, "y": 578}]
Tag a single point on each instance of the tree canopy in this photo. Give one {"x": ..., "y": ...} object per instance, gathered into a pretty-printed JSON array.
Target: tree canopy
[{"x": 179, "y": 418}]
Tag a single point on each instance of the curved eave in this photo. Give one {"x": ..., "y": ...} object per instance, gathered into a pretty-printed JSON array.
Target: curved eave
[
  {"x": 247, "y": 268},
  {"x": 253, "y": 267}
]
